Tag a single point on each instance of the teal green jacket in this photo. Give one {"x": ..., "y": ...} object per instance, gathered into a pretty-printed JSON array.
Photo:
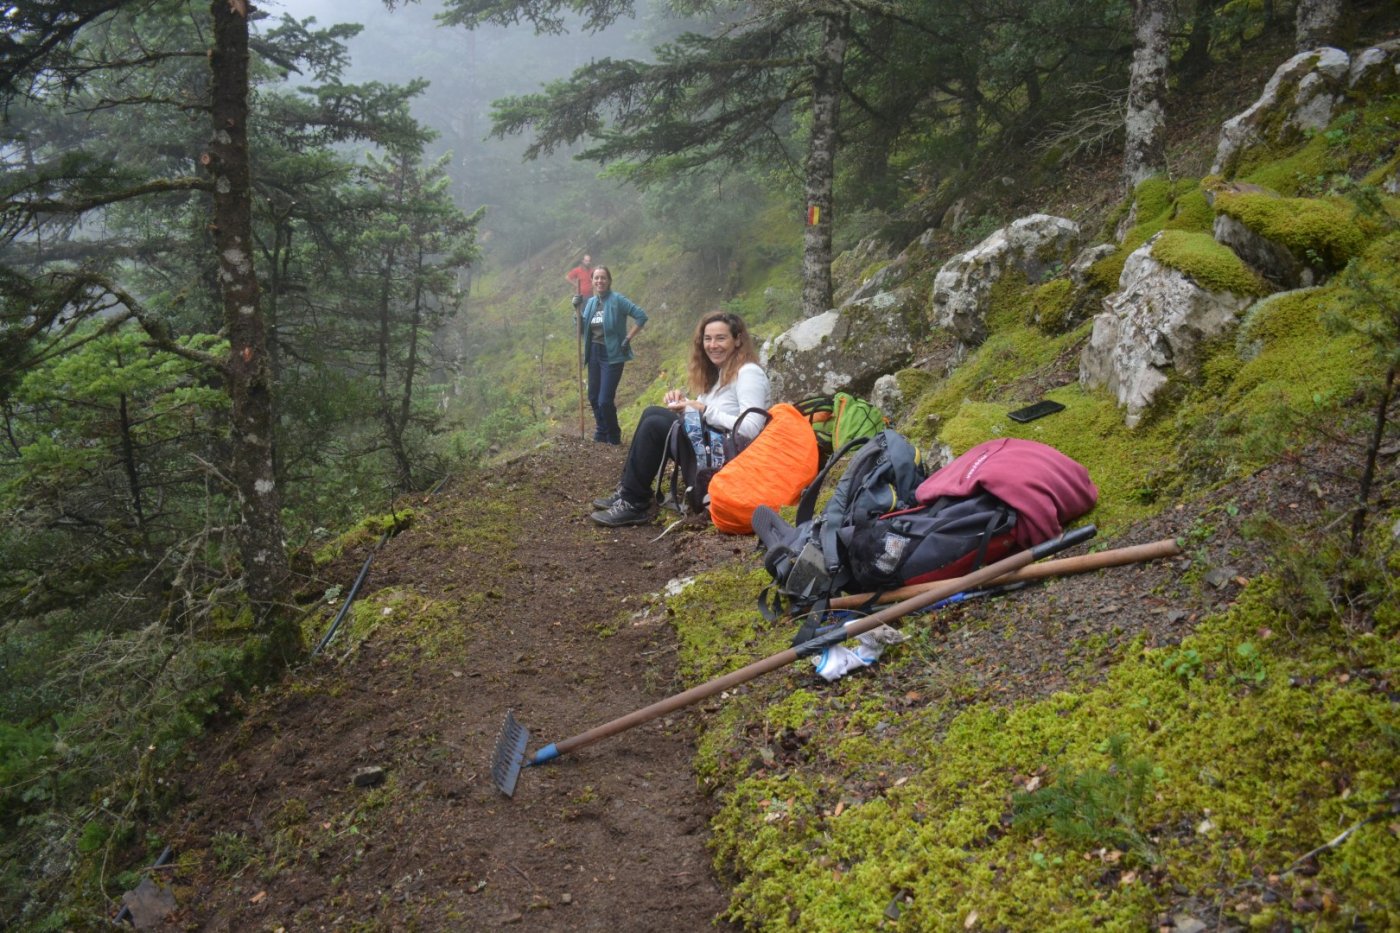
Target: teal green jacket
[{"x": 616, "y": 310}]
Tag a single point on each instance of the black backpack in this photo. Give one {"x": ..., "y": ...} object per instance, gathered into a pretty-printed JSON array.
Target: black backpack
[
  {"x": 689, "y": 479},
  {"x": 873, "y": 535}
]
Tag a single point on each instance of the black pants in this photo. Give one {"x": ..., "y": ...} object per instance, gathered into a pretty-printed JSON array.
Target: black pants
[
  {"x": 644, "y": 456},
  {"x": 603, "y": 378}
]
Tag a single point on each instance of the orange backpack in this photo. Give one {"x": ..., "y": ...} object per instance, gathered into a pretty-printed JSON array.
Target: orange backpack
[{"x": 773, "y": 470}]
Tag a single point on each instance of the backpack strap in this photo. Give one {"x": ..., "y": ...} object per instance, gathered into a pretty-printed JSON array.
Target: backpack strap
[
  {"x": 675, "y": 435},
  {"x": 738, "y": 441},
  {"x": 807, "y": 505}
]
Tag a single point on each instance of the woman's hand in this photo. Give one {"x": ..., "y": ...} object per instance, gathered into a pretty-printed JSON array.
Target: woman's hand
[{"x": 676, "y": 401}]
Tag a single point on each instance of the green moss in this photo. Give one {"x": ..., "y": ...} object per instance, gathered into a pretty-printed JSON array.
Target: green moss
[
  {"x": 1250, "y": 771},
  {"x": 1317, "y": 232},
  {"x": 869, "y": 271},
  {"x": 1051, "y": 304},
  {"x": 1122, "y": 462},
  {"x": 1358, "y": 140},
  {"x": 367, "y": 531},
  {"x": 1153, "y": 197},
  {"x": 1180, "y": 205},
  {"x": 1191, "y": 211},
  {"x": 1010, "y": 355},
  {"x": 1261, "y": 392},
  {"x": 717, "y": 625},
  {"x": 913, "y": 383},
  {"x": 1209, "y": 264},
  {"x": 792, "y": 712}
]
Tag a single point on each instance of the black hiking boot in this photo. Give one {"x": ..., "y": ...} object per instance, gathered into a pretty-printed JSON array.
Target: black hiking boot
[
  {"x": 622, "y": 513},
  {"x": 606, "y": 502}
]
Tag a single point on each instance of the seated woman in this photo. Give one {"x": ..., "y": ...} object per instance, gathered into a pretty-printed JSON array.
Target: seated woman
[{"x": 725, "y": 375}]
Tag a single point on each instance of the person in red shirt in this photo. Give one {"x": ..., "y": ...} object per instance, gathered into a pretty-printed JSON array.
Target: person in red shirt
[{"x": 581, "y": 276}]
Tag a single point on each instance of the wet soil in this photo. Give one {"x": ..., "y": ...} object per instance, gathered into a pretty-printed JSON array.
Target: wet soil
[
  {"x": 277, "y": 835},
  {"x": 610, "y": 838}
]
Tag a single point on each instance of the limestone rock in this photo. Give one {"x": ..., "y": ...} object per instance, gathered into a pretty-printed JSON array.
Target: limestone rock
[
  {"x": 846, "y": 348},
  {"x": 1079, "y": 269},
  {"x": 1302, "y": 97},
  {"x": 887, "y": 396},
  {"x": 1038, "y": 246},
  {"x": 848, "y": 268},
  {"x": 1152, "y": 327},
  {"x": 1273, "y": 260}
]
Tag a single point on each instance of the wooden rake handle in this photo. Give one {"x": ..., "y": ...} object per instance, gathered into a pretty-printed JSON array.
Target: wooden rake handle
[
  {"x": 1167, "y": 547},
  {"x": 927, "y": 596}
]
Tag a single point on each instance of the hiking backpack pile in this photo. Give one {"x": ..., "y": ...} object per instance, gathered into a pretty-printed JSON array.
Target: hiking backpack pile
[{"x": 888, "y": 524}]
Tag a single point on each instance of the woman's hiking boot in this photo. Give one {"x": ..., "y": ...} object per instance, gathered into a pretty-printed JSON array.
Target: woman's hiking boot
[
  {"x": 606, "y": 502},
  {"x": 622, "y": 513}
]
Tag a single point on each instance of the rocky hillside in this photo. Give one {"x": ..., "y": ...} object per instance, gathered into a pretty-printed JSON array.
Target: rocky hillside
[{"x": 1206, "y": 741}]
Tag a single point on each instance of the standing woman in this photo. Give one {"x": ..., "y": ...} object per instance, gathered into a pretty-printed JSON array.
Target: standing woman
[
  {"x": 727, "y": 381},
  {"x": 608, "y": 336}
]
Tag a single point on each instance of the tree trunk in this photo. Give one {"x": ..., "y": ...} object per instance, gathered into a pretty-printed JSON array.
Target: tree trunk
[
  {"x": 1195, "y": 61},
  {"x": 1145, "y": 146},
  {"x": 393, "y": 431},
  {"x": 261, "y": 543},
  {"x": 405, "y": 463},
  {"x": 1316, "y": 23},
  {"x": 133, "y": 473},
  {"x": 821, "y": 164}
]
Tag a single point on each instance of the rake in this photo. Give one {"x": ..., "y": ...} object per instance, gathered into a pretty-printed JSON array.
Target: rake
[{"x": 510, "y": 746}]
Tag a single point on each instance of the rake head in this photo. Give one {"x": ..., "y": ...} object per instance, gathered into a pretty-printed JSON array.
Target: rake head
[{"x": 510, "y": 754}]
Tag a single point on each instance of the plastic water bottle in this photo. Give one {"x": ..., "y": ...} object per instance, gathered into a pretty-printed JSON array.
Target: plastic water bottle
[{"x": 696, "y": 432}]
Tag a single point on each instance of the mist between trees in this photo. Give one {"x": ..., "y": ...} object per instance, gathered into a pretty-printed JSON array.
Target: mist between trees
[{"x": 237, "y": 262}]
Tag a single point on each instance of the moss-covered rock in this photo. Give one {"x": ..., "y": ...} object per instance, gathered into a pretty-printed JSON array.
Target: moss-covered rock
[
  {"x": 1321, "y": 234},
  {"x": 1206, "y": 262}
]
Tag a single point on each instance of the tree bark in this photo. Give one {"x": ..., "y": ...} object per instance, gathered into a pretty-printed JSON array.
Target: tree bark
[
  {"x": 261, "y": 544},
  {"x": 821, "y": 162},
  {"x": 1316, "y": 23},
  {"x": 1145, "y": 146},
  {"x": 1195, "y": 61},
  {"x": 133, "y": 473}
]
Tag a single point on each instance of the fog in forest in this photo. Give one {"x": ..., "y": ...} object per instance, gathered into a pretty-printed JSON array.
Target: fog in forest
[{"x": 467, "y": 70}]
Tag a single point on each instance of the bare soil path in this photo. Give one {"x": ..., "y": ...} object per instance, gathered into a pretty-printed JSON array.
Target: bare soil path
[
  {"x": 502, "y": 595},
  {"x": 276, "y": 834}
]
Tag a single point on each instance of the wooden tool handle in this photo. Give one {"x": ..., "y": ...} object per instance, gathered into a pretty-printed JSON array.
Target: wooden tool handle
[{"x": 1167, "y": 547}]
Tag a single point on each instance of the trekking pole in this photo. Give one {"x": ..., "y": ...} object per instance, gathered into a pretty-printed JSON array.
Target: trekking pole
[{"x": 578, "y": 328}]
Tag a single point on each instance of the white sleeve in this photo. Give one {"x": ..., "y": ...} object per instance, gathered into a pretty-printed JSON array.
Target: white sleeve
[{"x": 751, "y": 384}]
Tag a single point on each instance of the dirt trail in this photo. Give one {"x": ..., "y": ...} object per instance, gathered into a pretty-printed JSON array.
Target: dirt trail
[
  {"x": 503, "y": 595},
  {"x": 276, "y": 836}
]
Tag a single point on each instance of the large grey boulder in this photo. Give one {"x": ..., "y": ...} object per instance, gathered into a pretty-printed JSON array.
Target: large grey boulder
[
  {"x": 1152, "y": 327},
  {"x": 848, "y": 269},
  {"x": 1273, "y": 260},
  {"x": 1039, "y": 246},
  {"x": 846, "y": 349},
  {"x": 1302, "y": 97},
  {"x": 1299, "y": 97}
]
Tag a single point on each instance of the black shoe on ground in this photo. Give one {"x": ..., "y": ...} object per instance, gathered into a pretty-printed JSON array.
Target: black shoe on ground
[
  {"x": 605, "y": 502},
  {"x": 622, "y": 513}
]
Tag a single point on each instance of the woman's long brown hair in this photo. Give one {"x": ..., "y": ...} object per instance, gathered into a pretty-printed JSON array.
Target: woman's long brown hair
[{"x": 704, "y": 375}]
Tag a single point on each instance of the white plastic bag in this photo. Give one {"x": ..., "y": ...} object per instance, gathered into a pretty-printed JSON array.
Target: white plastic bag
[{"x": 837, "y": 661}]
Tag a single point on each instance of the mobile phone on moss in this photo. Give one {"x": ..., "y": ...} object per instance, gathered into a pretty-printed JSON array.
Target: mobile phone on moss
[{"x": 1039, "y": 410}]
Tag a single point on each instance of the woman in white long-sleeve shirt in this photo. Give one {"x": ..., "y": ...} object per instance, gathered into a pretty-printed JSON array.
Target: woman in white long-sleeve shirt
[{"x": 727, "y": 381}]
